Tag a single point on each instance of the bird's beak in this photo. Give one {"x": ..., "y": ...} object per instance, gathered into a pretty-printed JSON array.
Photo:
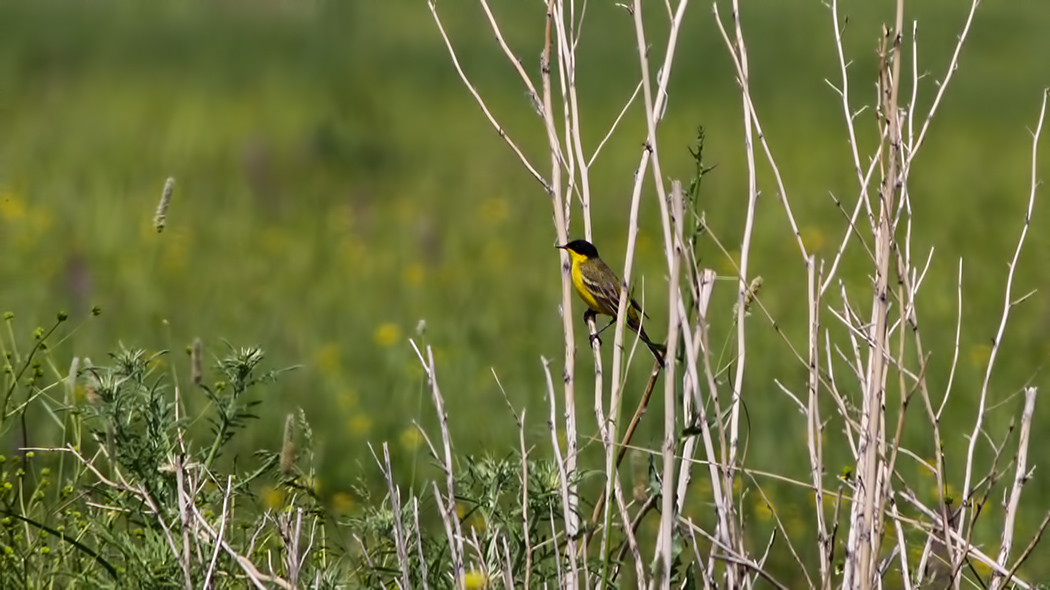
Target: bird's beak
[{"x": 561, "y": 247}]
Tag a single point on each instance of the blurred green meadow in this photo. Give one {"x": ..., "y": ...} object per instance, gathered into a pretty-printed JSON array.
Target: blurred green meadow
[{"x": 339, "y": 192}]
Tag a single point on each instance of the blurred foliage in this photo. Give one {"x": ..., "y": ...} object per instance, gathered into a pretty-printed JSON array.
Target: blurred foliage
[{"x": 336, "y": 184}]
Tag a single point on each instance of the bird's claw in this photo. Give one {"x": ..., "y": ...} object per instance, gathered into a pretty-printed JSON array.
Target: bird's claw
[{"x": 594, "y": 337}]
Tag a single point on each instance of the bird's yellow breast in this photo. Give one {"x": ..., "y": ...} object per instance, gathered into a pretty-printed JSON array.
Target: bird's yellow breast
[{"x": 581, "y": 288}]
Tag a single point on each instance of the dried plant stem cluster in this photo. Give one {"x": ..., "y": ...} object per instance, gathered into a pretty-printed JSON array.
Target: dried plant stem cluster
[{"x": 862, "y": 388}]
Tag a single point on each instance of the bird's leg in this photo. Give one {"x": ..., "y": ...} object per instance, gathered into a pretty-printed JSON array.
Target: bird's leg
[
  {"x": 589, "y": 315},
  {"x": 596, "y": 335},
  {"x": 611, "y": 322}
]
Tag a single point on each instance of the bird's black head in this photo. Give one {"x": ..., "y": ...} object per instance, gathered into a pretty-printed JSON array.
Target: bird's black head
[{"x": 581, "y": 247}]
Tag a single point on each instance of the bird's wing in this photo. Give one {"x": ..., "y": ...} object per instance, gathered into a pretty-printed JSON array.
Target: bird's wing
[
  {"x": 604, "y": 285},
  {"x": 634, "y": 304},
  {"x": 604, "y": 293}
]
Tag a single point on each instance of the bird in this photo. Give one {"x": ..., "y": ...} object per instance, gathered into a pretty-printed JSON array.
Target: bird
[{"x": 599, "y": 287}]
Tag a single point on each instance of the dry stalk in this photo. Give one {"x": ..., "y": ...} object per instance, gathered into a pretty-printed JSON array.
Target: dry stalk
[
  {"x": 669, "y": 503},
  {"x": 729, "y": 556},
  {"x": 525, "y": 498},
  {"x": 1008, "y": 304},
  {"x": 481, "y": 102},
  {"x": 901, "y": 549},
  {"x": 520, "y": 421},
  {"x": 419, "y": 544},
  {"x": 223, "y": 518},
  {"x": 184, "y": 516},
  {"x": 643, "y": 405},
  {"x": 448, "y": 504},
  {"x": 1028, "y": 550},
  {"x": 563, "y": 477},
  {"x": 649, "y": 154},
  {"x": 691, "y": 386},
  {"x": 739, "y": 52},
  {"x": 717, "y": 464},
  {"x": 631, "y": 544},
  {"x": 630, "y": 530},
  {"x": 814, "y": 425},
  {"x": 866, "y": 521},
  {"x": 953, "y": 65},
  {"x": 560, "y": 206},
  {"x": 779, "y": 527},
  {"x": 1020, "y": 478},
  {"x": 257, "y": 578},
  {"x": 966, "y": 548},
  {"x": 395, "y": 508},
  {"x": 554, "y": 33},
  {"x": 561, "y": 36}
]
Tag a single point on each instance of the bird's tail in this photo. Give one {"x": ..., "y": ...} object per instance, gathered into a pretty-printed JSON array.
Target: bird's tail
[
  {"x": 658, "y": 350},
  {"x": 634, "y": 321}
]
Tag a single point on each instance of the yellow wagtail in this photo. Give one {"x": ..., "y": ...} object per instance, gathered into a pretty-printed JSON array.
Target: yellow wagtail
[{"x": 599, "y": 287}]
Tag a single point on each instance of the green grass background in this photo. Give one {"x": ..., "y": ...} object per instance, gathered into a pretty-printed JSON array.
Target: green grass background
[{"x": 337, "y": 185}]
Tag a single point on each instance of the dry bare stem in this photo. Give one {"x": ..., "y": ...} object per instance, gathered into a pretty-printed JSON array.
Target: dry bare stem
[
  {"x": 448, "y": 504},
  {"x": 739, "y": 52},
  {"x": 572, "y": 579},
  {"x": 847, "y": 111},
  {"x": 814, "y": 425},
  {"x": 621, "y": 452},
  {"x": 669, "y": 503},
  {"x": 717, "y": 462},
  {"x": 223, "y": 519},
  {"x": 560, "y": 207},
  {"x": 691, "y": 385},
  {"x": 257, "y": 578},
  {"x": 573, "y": 125},
  {"x": 1020, "y": 478},
  {"x": 419, "y": 544},
  {"x": 1008, "y": 304},
  {"x": 395, "y": 508},
  {"x": 865, "y": 520},
  {"x": 520, "y": 421},
  {"x": 967, "y": 549},
  {"x": 649, "y": 154},
  {"x": 554, "y": 33},
  {"x": 1031, "y": 547},
  {"x": 184, "y": 500},
  {"x": 630, "y": 530},
  {"x": 615, "y": 124},
  {"x": 913, "y": 147},
  {"x": 901, "y": 549},
  {"x": 481, "y": 102},
  {"x": 728, "y": 556}
]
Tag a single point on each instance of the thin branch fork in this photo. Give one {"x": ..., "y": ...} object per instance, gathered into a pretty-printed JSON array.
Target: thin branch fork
[
  {"x": 1007, "y": 307},
  {"x": 964, "y": 546},
  {"x": 1022, "y": 475},
  {"x": 484, "y": 107}
]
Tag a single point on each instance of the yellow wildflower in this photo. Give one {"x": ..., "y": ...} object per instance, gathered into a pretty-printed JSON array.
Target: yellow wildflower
[
  {"x": 387, "y": 335},
  {"x": 360, "y": 426},
  {"x": 12, "y": 208},
  {"x": 476, "y": 580},
  {"x": 414, "y": 274},
  {"x": 342, "y": 503},
  {"x": 327, "y": 358},
  {"x": 411, "y": 439},
  {"x": 273, "y": 498}
]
